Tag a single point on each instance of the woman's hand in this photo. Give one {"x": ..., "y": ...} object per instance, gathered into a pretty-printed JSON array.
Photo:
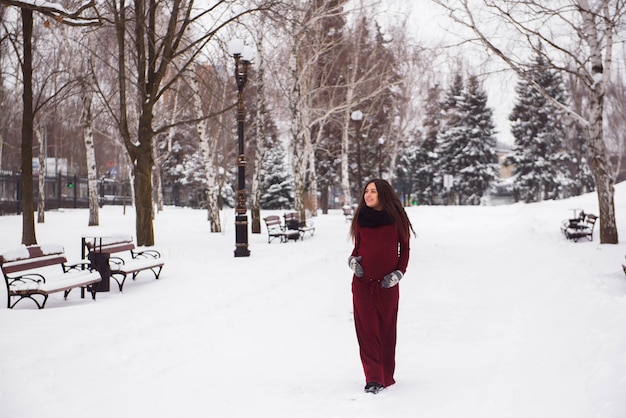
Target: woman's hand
[
  {"x": 353, "y": 262},
  {"x": 391, "y": 279}
]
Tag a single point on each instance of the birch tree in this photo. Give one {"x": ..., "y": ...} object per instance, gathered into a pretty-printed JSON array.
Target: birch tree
[
  {"x": 77, "y": 50},
  {"x": 330, "y": 79},
  {"x": 208, "y": 149},
  {"x": 62, "y": 15},
  {"x": 582, "y": 33},
  {"x": 260, "y": 121},
  {"x": 151, "y": 36},
  {"x": 41, "y": 184},
  {"x": 86, "y": 119}
]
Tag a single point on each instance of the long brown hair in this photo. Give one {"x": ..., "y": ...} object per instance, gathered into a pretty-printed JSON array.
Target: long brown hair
[{"x": 390, "y": 203}]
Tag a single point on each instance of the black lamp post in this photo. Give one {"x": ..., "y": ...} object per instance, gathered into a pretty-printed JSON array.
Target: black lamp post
[
  {"x": 243, "y": 55},
  {"x": 357, "y": 117},
  {"x": 381, "y": 141}
]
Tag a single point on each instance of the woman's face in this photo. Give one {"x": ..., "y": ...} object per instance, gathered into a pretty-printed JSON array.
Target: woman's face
[{"x": 371, "y": 197}]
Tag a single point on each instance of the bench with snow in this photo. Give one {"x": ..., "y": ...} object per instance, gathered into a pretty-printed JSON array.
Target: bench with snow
[
  {"x": 348, "y": 212},
  {"x": 579, "y": 227},
  {"x": 292, "y": 223},
  {"x": 30, "y": 271},
  {"x": 275, "y": 229},
  {"x": 122, "y": 267}
]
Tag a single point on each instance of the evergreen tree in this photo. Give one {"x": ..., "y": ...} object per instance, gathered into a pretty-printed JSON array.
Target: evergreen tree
[
  {"x": 276, "y": 181},
  {"x": 381, "y": 107},
  {"x": 449, "y": 136},
  {"x": 466, "y": 142},
  {"x": 539, "y": 157},
  {"x": 429, "y": 183},
  {"x": 414, "y": 173},
  {"x": 417, "y": 162},
  {"x": 478, "y": 160},
  {"x": 580, "y": 172}
]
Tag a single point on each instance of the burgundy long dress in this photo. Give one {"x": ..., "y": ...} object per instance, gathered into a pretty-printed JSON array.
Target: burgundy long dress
[{"x": 376, "y": 308}]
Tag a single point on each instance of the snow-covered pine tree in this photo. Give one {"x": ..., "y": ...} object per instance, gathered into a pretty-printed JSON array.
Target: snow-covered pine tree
[
  {"x": 406, "y": 177},
  {"x": 539, "y": 157},
  {"x": 477, "y": 161},
  {"x": 466, "y": 142},
  {"x": 417, "y": 162},
  {"x": 429, "y": 184},
  {"x": 582, "y": 177},
  {"x": 450, "y": 136},
  {"x": 276, "y": 180}
]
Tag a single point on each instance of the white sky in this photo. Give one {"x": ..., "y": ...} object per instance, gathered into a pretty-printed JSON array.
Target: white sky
[{"x": 429, "y": 24}]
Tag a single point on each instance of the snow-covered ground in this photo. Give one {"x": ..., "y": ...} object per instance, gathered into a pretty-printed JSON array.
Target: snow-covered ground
[{"x": 500, "y": 316}]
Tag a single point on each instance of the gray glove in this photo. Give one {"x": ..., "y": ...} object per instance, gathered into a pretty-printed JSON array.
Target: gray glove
[
  {"x": 391, "y": 279},
  {"x": 353, "y": 262}
]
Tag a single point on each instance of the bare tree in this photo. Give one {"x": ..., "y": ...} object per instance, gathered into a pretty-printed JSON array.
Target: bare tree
[
  {"x": 86, "y": 118},
  {"x": 372, "y": 77},
  {"x": 208, "y": 145},
  {"x": 261, "y": 132},
  {"x": 616, "y": 120},
  {"x": 582, "y": 33},
  {"x": 61, "y": 15},
  {"x": 151, "y": 36},
  {"x": 325, "y": 91}
]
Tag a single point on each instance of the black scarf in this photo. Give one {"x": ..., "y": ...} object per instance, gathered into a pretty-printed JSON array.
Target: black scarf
[{"x": 371, "y": 218}]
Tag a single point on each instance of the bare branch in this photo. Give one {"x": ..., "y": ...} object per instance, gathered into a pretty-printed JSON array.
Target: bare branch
[{"x": 58, "y": 12}]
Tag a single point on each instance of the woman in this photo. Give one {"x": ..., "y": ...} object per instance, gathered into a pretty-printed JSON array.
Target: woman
[{"x": 381, "y": 231}]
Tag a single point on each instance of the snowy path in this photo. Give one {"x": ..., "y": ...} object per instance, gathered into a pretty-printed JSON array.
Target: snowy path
[{"x": 500, "y": 316}]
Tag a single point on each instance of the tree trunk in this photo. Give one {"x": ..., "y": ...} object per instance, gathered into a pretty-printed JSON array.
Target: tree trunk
[
  {"x": 600, "y": 168},
  {"x": 143, "y": 194},
  {"x": 324, "y": 199},
  {"x": 313, "y": 190},
  {"x": 28, "y": 216},
  {"x": 600, "y": 165},
  {"x": 345, "y": 173},
  {"x": 296, "y": 130},
  {"x": 158, "y": 184},
  {"x": 259, "y": 154},
  {"x": 92, "y": 173},
  {"x": 207, "y": 148},
  {"x": 41, "y": 192}
]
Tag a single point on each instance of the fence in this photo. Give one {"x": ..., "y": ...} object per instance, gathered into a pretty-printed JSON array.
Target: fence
[{"x": 61, "y": 191}]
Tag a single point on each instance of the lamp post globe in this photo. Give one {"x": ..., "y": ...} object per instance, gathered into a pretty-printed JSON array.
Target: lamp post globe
[{"x": 356, "y": 116}]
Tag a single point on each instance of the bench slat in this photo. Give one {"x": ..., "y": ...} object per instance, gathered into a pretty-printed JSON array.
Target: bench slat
[
  {"x": 56, "y": 284},
  {"x": 32, "y": 263}
]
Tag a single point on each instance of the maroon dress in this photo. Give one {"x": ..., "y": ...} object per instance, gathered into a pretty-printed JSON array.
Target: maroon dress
[{"x": 376, "y": 308}]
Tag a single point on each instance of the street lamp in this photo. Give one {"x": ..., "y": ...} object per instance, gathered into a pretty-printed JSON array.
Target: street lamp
[
  {"x": 381, "y": 141},
  {"x": 357, "y": 117},
  {"x": 243, "y": 55}
]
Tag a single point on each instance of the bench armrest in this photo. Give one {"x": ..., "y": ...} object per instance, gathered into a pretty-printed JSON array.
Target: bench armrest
[
  {"x": 79, "y": 266},
  {"x": 26, "y": 278},
  {"x": 146, "y": 254},
  {"x": 116, "y": 260}
]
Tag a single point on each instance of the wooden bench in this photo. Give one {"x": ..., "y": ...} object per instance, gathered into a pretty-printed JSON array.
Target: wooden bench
[
  {"x": 275, "y": 229},
  {"x": 348, "y": 212},
  {"x": 29, "y": 271},
  {"x": 292, "y": 222},
  {"x": 579, "y": 227},
  {"x": 122, "y": 267}
]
